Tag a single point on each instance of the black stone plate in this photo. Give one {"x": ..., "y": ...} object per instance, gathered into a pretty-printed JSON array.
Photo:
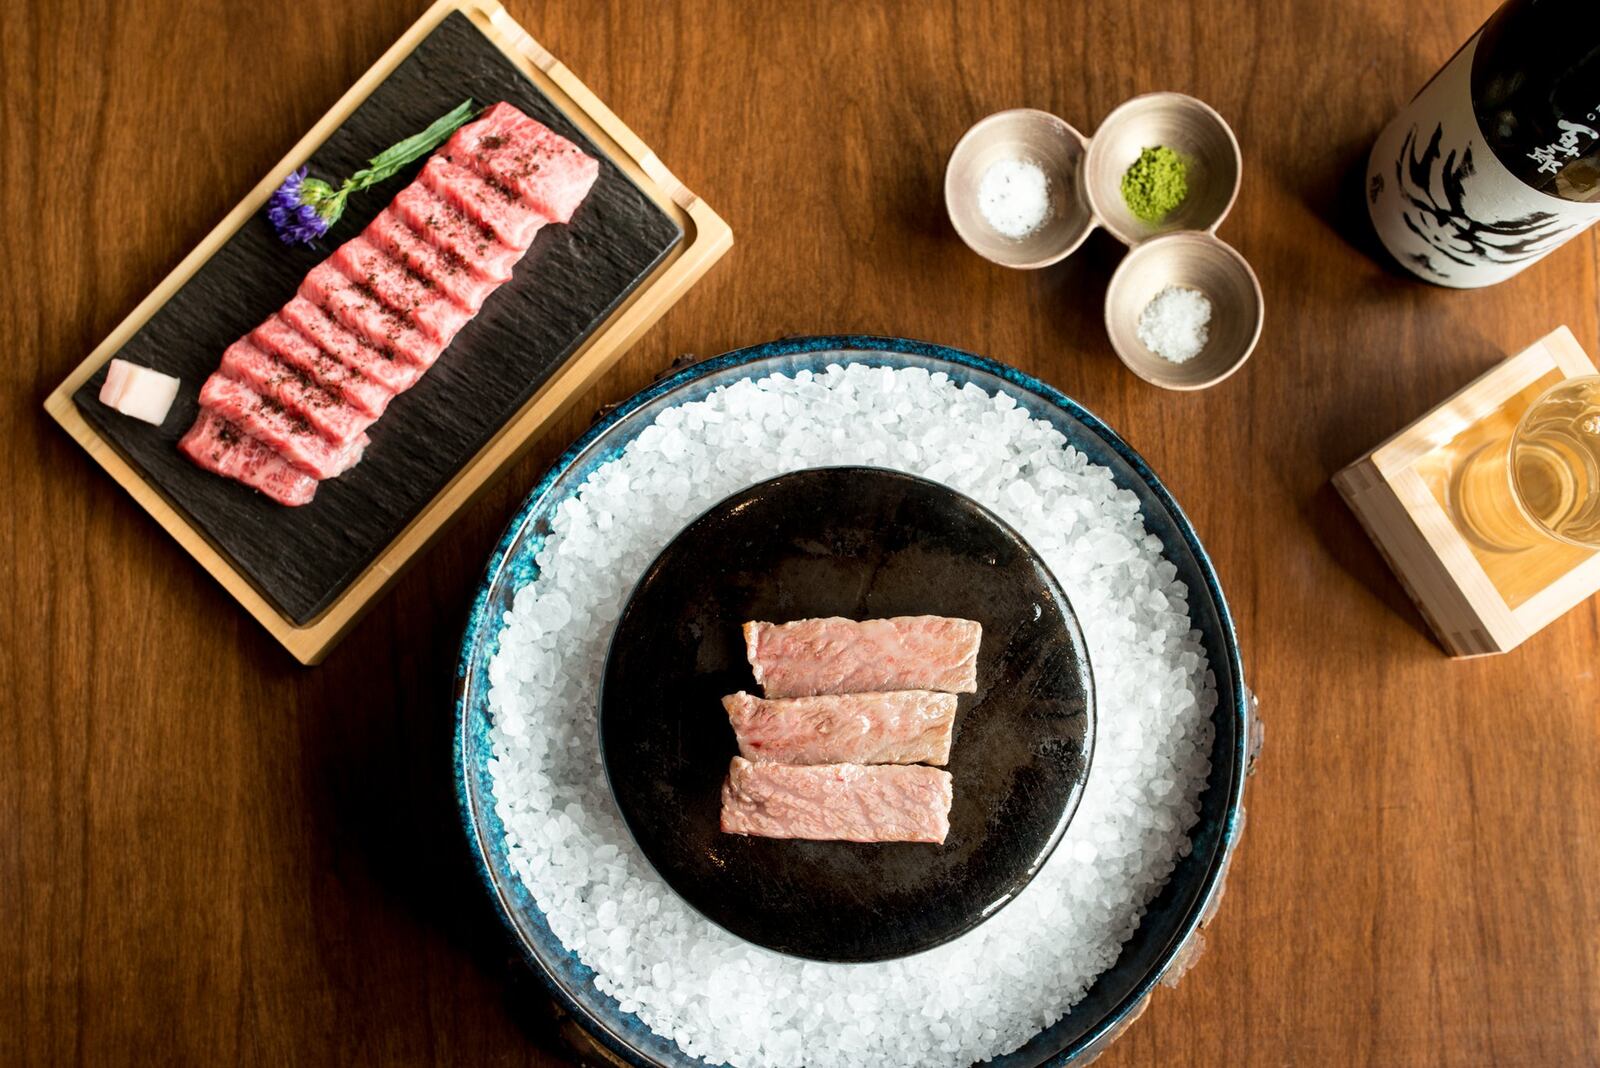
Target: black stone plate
[
  {"x": 302, "y": 558},
  {"x": 861, "y": 543}
]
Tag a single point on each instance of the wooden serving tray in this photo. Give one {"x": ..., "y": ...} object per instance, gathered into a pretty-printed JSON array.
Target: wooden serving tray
[
  {"x": 581, "y": 297},
  {"x": 1478, "y": 601}
]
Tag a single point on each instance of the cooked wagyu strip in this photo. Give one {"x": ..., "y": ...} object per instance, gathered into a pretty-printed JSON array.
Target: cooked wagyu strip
[
  {"x": 823, "y": 656},
  {"x": 377, "y": 362},
  {"x": 223, "y": 449},
  {"x": 358, "y": 308},
  {"x": 286, "y": 432},
  {"x": 544, "y": 168},
  {"x": 291, "y": 402},
  {"x": 293, "y": 390},
  {"x": 455, "y": 277},
  {"x": 444, "y": 225},
  {"x": 837, "y": 802},
  {"x": 903, "y": 727},
  {"x": 295, "y": 350},
  {"x": 417, "y": 298},
  {"x": 494, "y": 208}
]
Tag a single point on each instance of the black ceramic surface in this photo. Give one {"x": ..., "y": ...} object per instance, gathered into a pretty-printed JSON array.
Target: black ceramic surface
[
  {"x": 861, "y": 543},
  {"x": 302, "y": 558}
]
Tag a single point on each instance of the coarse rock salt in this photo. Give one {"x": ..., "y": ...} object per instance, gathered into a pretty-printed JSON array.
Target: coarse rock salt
[
  {"x": 1174, "y": 325},
  {"x": 994, "y": 988}
]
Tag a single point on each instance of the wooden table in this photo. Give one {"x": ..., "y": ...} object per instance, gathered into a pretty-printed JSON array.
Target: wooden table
[{"x": 209, "y": 855}]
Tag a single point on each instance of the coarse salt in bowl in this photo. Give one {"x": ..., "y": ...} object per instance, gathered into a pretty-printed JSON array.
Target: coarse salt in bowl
[
  {"x": 1093, "y": 933},
  {"x": 1175, "y": 325},
  {"x": 1194, "y": 261},
  {"x": 991, "y": 189}
]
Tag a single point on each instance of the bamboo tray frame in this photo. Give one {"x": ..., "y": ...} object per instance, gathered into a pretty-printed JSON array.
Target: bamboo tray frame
[
  {"x": 706, "y": 238},
  {"x": 1477, "y": 604}
]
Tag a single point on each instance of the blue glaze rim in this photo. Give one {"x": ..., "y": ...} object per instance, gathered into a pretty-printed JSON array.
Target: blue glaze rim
[{"x": 506, "y": 565}]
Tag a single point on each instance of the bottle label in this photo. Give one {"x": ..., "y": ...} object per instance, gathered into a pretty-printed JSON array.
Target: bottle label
[{"x": 1445, "y": 206}]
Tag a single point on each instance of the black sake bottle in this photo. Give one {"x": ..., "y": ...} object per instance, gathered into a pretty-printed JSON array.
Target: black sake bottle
[{"x": 1497, "y": 161}]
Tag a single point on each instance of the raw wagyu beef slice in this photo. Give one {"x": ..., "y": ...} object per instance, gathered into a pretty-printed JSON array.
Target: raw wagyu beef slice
[
  {"x": 902, "y": 727},
  {"x": 820, "y": 656},
  {"x": 837, "y": 802}
]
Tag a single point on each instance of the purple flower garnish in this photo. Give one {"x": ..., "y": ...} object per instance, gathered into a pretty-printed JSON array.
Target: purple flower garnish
[
  {"x": 302, "y": 209},
  {"x": 296, "y": 219}
]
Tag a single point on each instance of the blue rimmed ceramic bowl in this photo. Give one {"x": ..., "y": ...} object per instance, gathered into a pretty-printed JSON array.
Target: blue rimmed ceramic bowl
[{"x": 1164, "y": 935}]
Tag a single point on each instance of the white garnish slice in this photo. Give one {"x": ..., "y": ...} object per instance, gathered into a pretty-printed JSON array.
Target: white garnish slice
[{"x": 139, "y": 392}]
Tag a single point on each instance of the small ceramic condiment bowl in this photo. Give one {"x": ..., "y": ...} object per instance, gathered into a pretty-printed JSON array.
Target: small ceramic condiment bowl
[
  {"x": 1189, "y": 127},
  {"x": 1037, "y": 137},
  {"x": 1196, "y": 260}
]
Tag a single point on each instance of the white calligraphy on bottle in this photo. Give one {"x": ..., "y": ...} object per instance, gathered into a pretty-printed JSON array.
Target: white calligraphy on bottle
[
  {"x": 1446, "y": 207},
  {"x": 1548, "y": 157}
]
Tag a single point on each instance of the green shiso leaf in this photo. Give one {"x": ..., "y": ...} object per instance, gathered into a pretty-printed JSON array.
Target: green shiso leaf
[{"x": 389, "y": 162}]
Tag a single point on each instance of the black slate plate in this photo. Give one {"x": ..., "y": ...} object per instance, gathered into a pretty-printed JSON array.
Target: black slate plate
[
  {"x": 862, "y": 543},
  {"x": 302, "y": 558}
]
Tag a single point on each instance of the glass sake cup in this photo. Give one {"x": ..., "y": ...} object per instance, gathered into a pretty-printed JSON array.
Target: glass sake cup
[{"x": 1544, "y": 481}]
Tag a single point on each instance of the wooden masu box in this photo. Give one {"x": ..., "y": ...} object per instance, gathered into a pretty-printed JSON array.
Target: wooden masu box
[
  {"x": 705, "y": 238},
  {"x": 1477, "y": 601}
]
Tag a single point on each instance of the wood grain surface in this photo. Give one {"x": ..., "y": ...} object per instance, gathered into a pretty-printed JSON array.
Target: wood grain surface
[{"x": 209, "y": 855}]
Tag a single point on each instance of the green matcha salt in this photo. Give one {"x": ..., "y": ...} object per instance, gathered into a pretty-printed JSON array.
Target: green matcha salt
[{"x": 1156, "y": 184}]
